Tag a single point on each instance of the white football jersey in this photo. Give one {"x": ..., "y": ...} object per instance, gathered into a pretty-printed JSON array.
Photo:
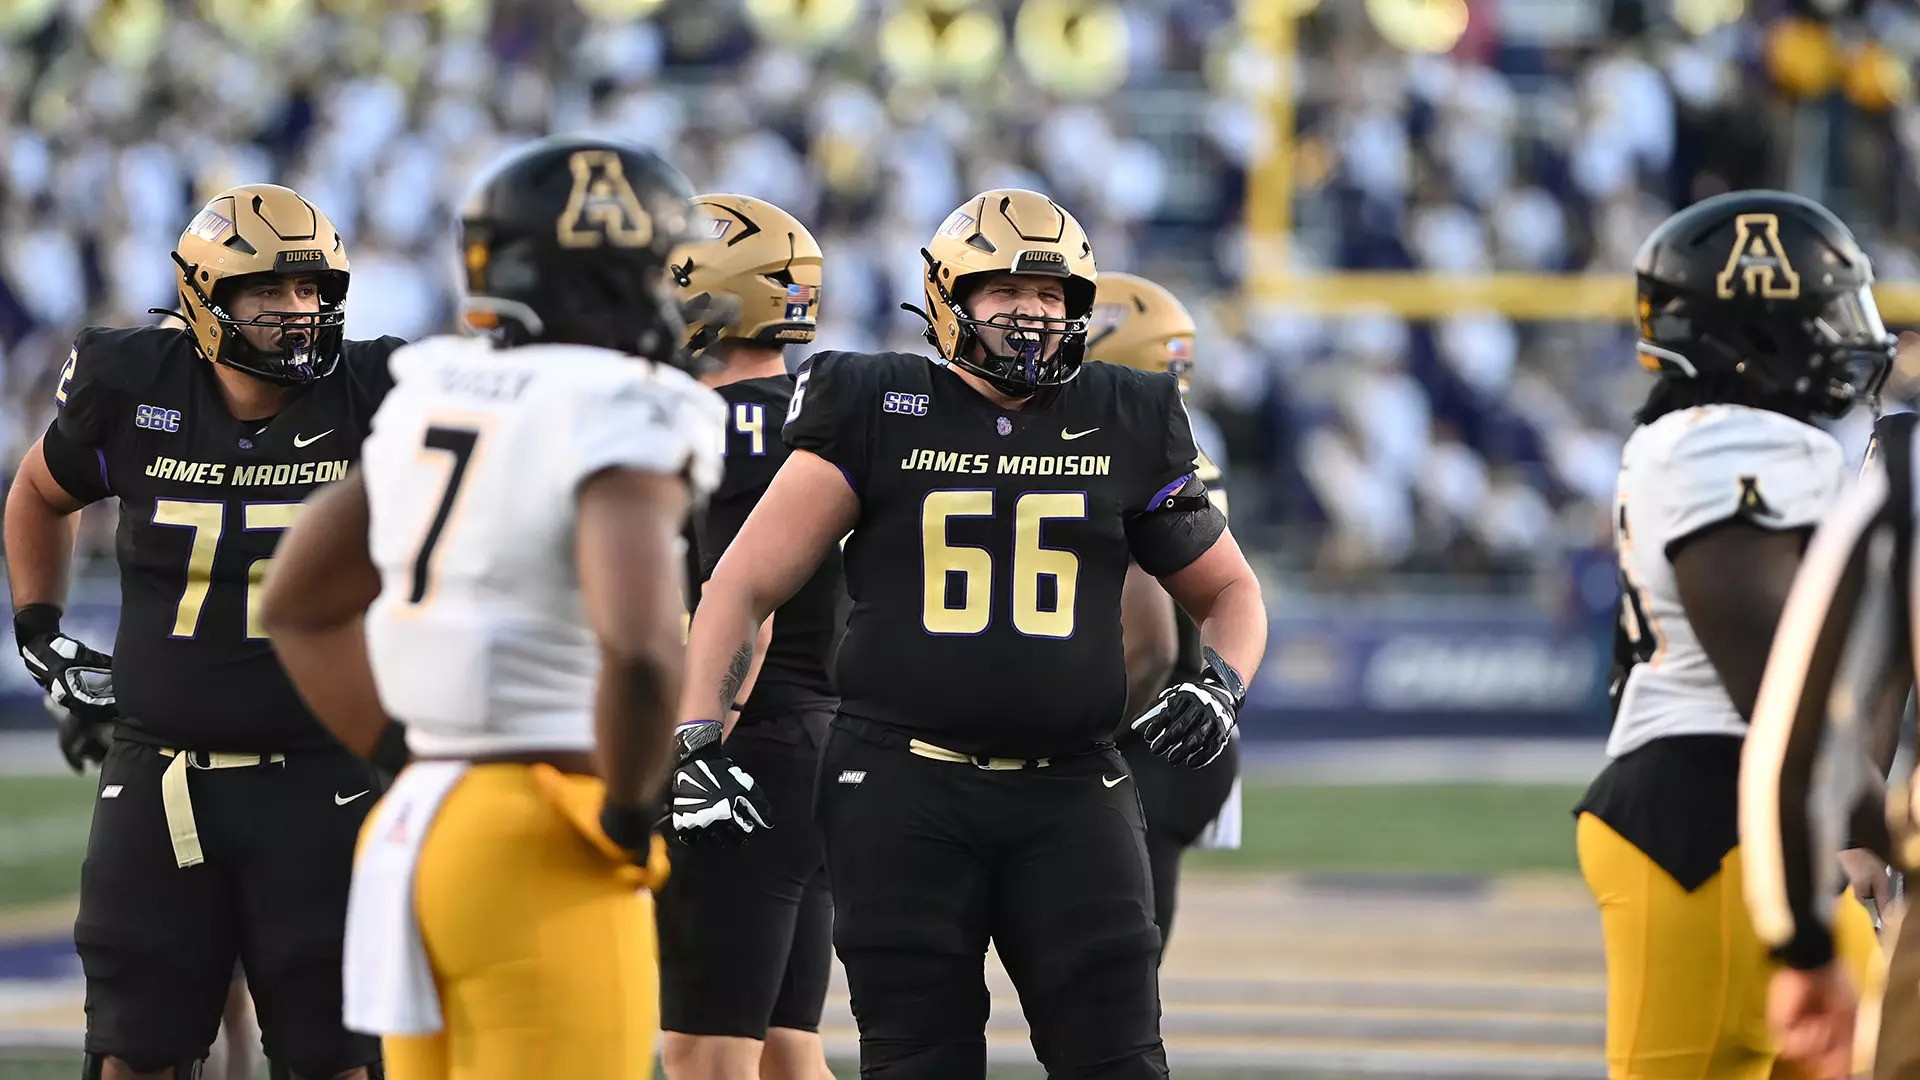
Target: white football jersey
[
  {"x": 1684, "y": 472},
  {"x": 478, "y": 639}
]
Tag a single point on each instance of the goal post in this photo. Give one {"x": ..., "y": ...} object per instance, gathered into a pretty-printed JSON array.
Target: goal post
[{"x": 1271, "y": 28}]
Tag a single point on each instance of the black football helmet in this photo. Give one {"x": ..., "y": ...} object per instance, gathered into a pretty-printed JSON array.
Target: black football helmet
[
  {"x": 567, "y": 239},
  {"x": 1766, "y": 287}
]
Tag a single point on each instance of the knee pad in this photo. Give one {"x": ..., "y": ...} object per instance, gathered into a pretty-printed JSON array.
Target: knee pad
[{"x": 93, "y": 1066}]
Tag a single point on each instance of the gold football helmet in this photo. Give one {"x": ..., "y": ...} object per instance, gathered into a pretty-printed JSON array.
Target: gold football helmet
[
  {"x": 752, "y": 273},
  {"x": 1009, "y": 231},
  {"x": 1138, "y": 324},
  {"x": 257, "y": 229}
]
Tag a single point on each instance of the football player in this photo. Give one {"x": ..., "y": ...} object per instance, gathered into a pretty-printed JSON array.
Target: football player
[
  {"x": 226, "y": 818},
  {"x": 1755, "y": 314},
  {"x": 969, "y": 788},
  {"x": 1139, "y": 324},
  {"x": 1828, "y": 709},
  {"x": 746, "y": 932},
  {"x": 502, "y": 573}
]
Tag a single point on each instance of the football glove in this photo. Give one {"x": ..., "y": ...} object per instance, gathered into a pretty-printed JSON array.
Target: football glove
[
  {"x": 1190, "y": 722},
  {"x": 712, "y": 802},
  {"x": 78, "y": 682}
]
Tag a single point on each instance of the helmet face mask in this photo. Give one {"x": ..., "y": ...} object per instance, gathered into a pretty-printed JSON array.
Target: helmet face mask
[
  {"x": 263, "y": 234},
  {"x": 289, "y": 344},
  {"x": 1018, "y": 331},
  {"x": 1767, "y": 288},
  {"x": 1003, "y": 232}
]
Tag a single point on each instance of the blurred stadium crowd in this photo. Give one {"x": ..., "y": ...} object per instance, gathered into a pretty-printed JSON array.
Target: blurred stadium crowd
[{"x": 1534, "y": 137}]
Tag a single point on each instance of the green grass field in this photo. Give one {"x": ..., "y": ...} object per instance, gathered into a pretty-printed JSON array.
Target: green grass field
[
  {"x": 1295, "y": 828},
  {"x": 43, "y": 834},
  {"x": 1427, "y": 829}
]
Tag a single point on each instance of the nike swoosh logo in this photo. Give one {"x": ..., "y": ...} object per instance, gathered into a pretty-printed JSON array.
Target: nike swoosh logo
[
  {"x": 1072, "y": 435},
  {"x": 1115, "y": 782},
  {"x": 300, "y": 441},
  {"x": 339, "y": 800}
]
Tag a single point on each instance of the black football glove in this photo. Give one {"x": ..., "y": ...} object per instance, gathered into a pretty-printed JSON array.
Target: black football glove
[
  {"x": 78, "y": 682},
  {"x": 711, "y": 801},
  {"x": 631, "y": 827},
  {"x": 1190, "y": 722}
]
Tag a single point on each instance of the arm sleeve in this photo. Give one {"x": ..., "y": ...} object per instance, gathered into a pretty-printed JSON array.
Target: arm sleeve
[
  {"x": 1178, "y": 520},
  {"x": 1806, "y": 774},
  {"x": 650, "y": 423},
  {"x": 76, "y": 442},
  {"x": 1764, "y": 470},
  {"x": 1179, "y": 459},
  {"x": 831, "y": 413}
]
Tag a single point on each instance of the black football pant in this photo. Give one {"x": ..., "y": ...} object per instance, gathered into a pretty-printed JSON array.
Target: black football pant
[
  {"x": 1180, "y": 803},
  {"x": 746, "y": 932},
  {"x": 929, "y": 860},
  {"x": 158, "y": 941}
]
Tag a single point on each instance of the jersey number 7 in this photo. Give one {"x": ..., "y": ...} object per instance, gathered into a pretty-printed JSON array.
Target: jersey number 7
[{"x": 458, "y": 442}]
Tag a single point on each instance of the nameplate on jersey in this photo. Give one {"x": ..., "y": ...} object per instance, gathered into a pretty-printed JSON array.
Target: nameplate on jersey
[
  {"x": 923, "y": 460},
  {"x": 221, "y": 473}
]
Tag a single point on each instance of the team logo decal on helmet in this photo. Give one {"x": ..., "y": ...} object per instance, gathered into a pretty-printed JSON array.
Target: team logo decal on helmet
[
  {"x": 603, "y": 208},
  {"x": 1757, "y": 262}
]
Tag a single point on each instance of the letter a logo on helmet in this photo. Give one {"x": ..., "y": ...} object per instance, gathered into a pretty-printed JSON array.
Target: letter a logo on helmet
[
  {"x": 603, "y": 208},
  {"x": 1758, "y": 262}
]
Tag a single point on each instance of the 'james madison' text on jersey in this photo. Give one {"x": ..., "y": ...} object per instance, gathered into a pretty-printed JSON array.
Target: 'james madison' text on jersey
[{"x": 987, "y": 563}]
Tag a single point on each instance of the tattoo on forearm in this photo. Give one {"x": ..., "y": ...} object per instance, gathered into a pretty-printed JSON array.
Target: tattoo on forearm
[{"x": 736, "y": 675}]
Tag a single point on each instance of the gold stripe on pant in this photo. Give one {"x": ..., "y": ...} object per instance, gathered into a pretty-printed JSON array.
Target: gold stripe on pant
[
  {"x": 1686, "y": 974},
  {"x": 540, "y": 934}
]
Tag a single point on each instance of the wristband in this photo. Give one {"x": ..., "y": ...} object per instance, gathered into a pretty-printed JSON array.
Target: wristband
[{"x": 35, "y": 620}]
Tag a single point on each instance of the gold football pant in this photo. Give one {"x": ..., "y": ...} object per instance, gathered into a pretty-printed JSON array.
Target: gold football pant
[
  {"x": 1686, "y": 974},
  {"x": 540, "y": 936}
]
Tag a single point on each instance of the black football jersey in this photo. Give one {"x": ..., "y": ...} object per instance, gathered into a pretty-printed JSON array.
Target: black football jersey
[
  {"x": 987, "y": 564},
  {"x": 204, "y": 498},
  {"x": 797, "y": 670}
]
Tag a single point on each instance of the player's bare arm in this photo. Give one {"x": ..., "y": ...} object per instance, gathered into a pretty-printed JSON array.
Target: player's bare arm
[
  {"x": 1733, "y": 582},
  {"x": 761, "y": 642},
  {"x": 808, "y": 508},
  {"x": 1191, "y": 722},
  {"x": 41, "y": 524},
  {"x": 1149, "y": 635},
  {"x": 627, "y": 549},
  {"x": 1220, "y": 592},
  {"x": 316, "y": 595},
  {"x": 39, "y": 533}
]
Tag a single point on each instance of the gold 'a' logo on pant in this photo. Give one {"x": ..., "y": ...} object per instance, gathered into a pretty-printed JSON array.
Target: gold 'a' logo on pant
[
  {"x": 1758, "y": 262},
  {"x": 603, "y": 208}
]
